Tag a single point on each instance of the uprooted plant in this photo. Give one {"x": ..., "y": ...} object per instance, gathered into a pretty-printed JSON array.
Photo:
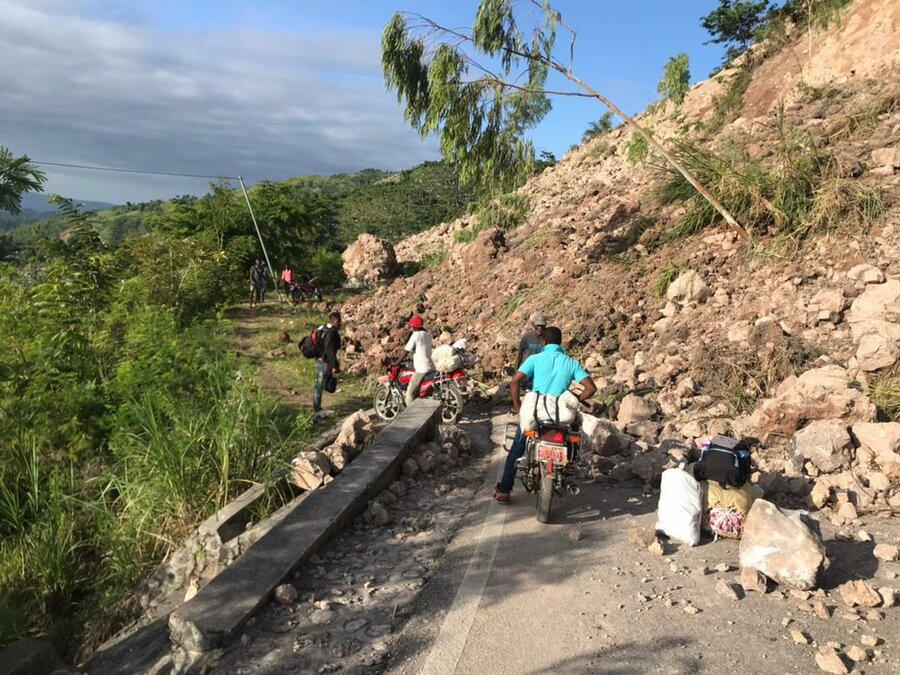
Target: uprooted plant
[
  {"x": 482, "y": 120},
  {"x": 802, "y": 189}
]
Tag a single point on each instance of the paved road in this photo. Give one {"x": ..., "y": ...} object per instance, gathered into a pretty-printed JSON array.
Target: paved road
[{"x": 514, "y": 596}]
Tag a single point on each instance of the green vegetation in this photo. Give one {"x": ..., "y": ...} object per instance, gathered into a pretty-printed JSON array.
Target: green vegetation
[
  {"x": 637, "y": 149},
  {"x": 884, "y": 390},
  {"x": 735, "y": 23},
  {"x": 599, "y": 128},
  {"x": 727, "y": 105},
  {"x": 17, "y": 175},
  {"x": 805, "y": 191},
  {"x": 507, "y": 212},
  {"x": 126, "y": 416},
  {"x": 676, "y": 79}
]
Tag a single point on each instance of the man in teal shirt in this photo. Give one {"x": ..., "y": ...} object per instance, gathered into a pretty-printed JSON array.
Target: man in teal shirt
[{"x": 551, "y": 372}]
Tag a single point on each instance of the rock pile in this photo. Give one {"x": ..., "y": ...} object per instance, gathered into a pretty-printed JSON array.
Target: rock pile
[
  {"x": 429, "y": 458},
  {"x": 311, "y": 469}
]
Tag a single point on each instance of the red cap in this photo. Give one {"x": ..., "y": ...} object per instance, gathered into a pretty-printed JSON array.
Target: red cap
[{"x": 416, "y": 322}]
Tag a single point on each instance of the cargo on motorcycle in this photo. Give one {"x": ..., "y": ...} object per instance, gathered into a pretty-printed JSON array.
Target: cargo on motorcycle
[{"x": 547, "y": 439}]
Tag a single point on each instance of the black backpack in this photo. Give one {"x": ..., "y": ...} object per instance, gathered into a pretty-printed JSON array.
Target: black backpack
[
  {"x": 726, "y": 460},
  {"x": 311, "y": 345}
]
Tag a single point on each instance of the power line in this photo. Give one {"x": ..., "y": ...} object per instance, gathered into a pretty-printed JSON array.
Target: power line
[{"x": 140, "y": 171}]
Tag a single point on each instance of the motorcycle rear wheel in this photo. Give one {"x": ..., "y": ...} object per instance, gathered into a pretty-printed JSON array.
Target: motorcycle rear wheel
[
  {"x": 544, "y": 496},
  {"x": 387, "y": 403}
]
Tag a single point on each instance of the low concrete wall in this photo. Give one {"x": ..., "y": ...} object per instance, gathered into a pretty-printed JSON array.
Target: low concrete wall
[{"x": 212, "y": 618}]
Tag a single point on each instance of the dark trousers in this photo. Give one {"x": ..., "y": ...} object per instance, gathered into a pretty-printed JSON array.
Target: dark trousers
[{"x": 509, "y": 469}]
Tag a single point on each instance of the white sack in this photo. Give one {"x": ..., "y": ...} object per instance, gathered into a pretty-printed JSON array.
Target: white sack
[
  {"x": 446, "y": 359},
  {"x": 680, "y": 507},
  {"x": 547, "y": 409}
]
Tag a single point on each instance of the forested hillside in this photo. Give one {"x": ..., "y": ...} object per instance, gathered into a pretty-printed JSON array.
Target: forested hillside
[{"x": 388, "y": 204}]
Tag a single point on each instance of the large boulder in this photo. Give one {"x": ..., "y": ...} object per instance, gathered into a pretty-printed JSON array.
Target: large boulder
[
  {"x": 874, "y": 320},
  {"x": 818, "y": 394},
  {"x": 784, "y": 545},
  {"x": 309, "y": 470},
  {"x": 635, "y": 409},
  {"x": 370, "y": 260},
  {"x": 602, "y": 436},
  {"x": 354, "y": 430},
  {"x": 688, "y": 287},
  {"x": 825, "y": 443},
  {"x": 884, "y": 441}
]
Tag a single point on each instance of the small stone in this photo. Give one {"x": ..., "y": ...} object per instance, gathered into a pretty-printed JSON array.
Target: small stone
[
  {"x": 690, "y": 609},
  {"x": 888, "y": 596},
  {"x": 799, "y": 637},
  {"x": 656, "y": 548},
  {"x": 322, "y": 604},
  {"x": 722, "y": 568},
  {"x": 862, "y": 535},
  {"x": 286, "y": 594},
  {"x": 800, "y": 595},
  {"x": 322, "y": 617},
  {"x": 887, "y": 552},
  {"x": 379, "y": 514},
  {"x": 754, "y": 580},
  {"x": 575, "y": 534},
  {"x": 729, "y": 590},
  {"x": 869, "y": 640},
  {"x": 246, "y": 639},
  {"x": 700, "y": 572},
  {"x": 858, "y": 654},
  {"x": 831, "y": 662},
  {"x": 820, "y": 609},
  {"x": 642, "y": 537},
  {"x": 873, "y": 615},
  {"x": 847, "y": 511},
  {"x": 859, "y": 593}
]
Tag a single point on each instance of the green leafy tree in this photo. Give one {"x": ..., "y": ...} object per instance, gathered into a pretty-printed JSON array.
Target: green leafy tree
[
  {"x": 482, "y": 89},
  {"x": 734, "y": 23},
  {"x": 17, "y": 176},
  {"x": 676, "y": 79},
  {"x": 599, "y": 128}
]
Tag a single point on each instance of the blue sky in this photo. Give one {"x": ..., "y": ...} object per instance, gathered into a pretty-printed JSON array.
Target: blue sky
[{"x": 273, "y": 88}]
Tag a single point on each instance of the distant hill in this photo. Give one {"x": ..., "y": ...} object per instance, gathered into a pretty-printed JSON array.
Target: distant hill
[
  {"x": 388, "y": 204},
  {"x": 35, "y": 207}
]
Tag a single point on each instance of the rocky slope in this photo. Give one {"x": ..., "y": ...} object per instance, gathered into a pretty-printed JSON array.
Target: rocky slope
[{"x": 760, "y": 339}]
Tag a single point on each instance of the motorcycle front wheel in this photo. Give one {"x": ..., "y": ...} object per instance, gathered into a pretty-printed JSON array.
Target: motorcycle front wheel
[
  {"x": 544, "y": 496},
  {"x": 451, "y": 403},
  {"x": 387, "y": 403}
]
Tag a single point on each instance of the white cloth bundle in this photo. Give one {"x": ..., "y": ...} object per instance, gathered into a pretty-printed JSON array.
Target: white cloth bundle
[
  {"x": 545, "y": 409},
  {"x": 446, "y": 358}
]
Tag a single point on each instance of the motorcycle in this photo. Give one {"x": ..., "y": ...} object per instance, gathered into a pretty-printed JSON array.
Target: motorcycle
[
  {"x": 550, "y": 455},
  {"x": 299, "y": 291},
  {"x": 449, "y": 388}
]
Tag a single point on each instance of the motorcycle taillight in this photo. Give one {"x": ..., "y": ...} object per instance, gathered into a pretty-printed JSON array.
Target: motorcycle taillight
[{"x": 552, "y": 436}]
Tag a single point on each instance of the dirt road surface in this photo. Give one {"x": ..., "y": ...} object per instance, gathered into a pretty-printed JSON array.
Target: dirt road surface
[{"x": 462, "y": 584}]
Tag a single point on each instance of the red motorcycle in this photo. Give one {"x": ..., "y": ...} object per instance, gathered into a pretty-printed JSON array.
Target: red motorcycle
[
  {"x": 448, "y": 388},
  {"x": 298, "y": 291}
]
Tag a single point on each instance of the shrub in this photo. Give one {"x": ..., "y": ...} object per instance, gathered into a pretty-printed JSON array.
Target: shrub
[
  {"x": 328, "y": 268},
  {"x": 667, "y": 275},
  {"x": 599, "y": 128},
  {"x": 638, "y": 148},
  {"x": 727, "y": 105},
  {"x": 676, "y": 79}
]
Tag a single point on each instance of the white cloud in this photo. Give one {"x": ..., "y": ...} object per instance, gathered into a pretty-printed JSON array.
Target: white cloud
[{"x": 81, "y": 89}]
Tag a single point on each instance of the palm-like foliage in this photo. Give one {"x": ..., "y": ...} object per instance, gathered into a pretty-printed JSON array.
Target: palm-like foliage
[{"x": 17, "y": 175}]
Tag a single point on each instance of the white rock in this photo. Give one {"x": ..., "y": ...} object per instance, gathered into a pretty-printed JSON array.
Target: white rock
[
  {"x": 867, "y": 274},
  {"x": 826, "y": 443},
  {"x": 688, "y": 287},
  {"x": 635, "y": 409}
]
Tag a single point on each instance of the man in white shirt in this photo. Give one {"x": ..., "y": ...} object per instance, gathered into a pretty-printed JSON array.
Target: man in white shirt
[{"x": 419, "y": 345}]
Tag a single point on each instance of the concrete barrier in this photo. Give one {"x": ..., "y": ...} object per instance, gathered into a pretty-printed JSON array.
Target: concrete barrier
[{"x": 212, "y": 618}]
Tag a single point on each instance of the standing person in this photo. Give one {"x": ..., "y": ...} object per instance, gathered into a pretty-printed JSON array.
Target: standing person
[
  {"x": 419, "y": 345},
  {"x": 287, "y": 278},
  {"x": 551, "y": 371},
  {"x": 533, "y": 340},
  {"x": 327, "y": 365},
  {"x": 264, "y": 282},
  {"x": 257, "y": 283}
]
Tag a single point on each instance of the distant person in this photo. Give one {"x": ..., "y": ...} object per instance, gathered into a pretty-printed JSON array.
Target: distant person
[
  {"x": 551, "y": 371},
  {"x": 532, "y": 341},
  {"x": 257, "y": 283},
  {"x": 287, "y": 276},
  {"x": 327, "y": 365},
  {"x": 265, "y": 281},
  {"x": 419, "y": 345}
]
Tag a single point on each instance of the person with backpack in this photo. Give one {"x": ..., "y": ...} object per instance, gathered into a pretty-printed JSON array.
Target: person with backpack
[
  {"x": 551, "y": 372},
  {"x": 419, "y": 345},
  {"x": 323, "y": 345}
]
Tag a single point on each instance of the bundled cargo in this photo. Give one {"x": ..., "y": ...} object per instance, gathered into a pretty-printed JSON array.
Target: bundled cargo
[
  {"x": 448, "y": 358},
  {"x": 545, "y": 409}
]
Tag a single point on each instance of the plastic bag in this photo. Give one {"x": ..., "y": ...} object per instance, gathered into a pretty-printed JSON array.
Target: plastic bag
[
  {"x": 446, "y": 359},
  {"x": 680, "y": 507}
]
